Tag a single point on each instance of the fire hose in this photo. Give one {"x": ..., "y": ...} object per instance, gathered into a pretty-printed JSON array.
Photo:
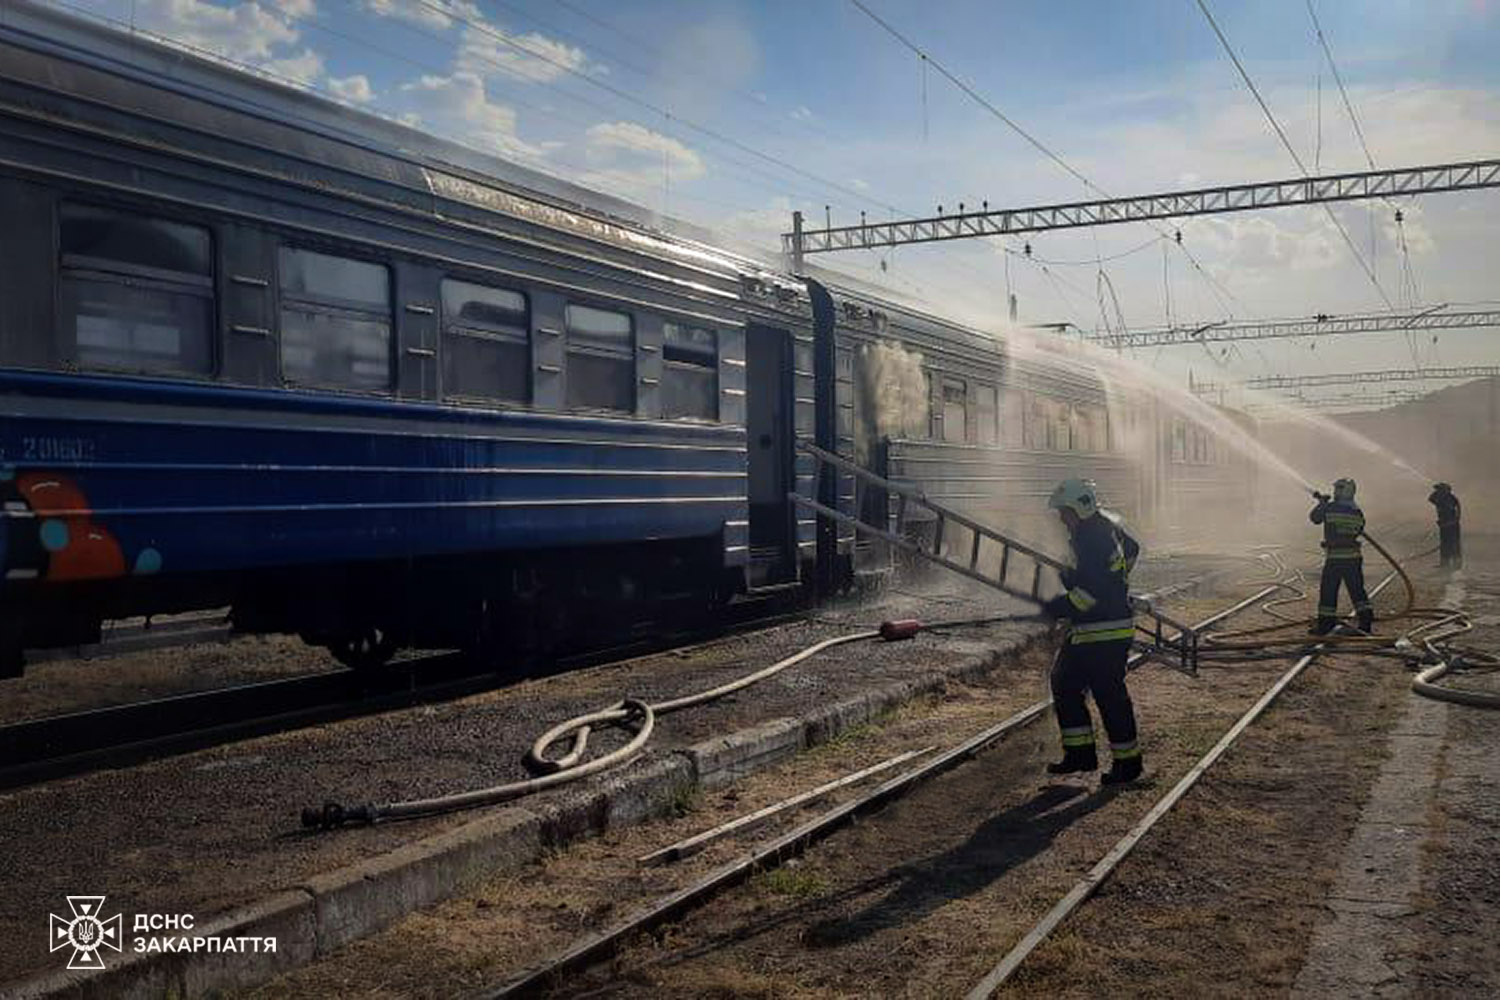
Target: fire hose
[
  {"x": 639, "y": 716},
  {"x": 1439, "y": 624},
  {"x": 630, "y": 713}
]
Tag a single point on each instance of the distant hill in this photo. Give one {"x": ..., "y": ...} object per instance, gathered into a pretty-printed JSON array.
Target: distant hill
[{"x": 1451, "y": 435}]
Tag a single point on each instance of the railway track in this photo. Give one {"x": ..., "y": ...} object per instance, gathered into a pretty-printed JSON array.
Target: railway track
[
  {"x": 552, "y": 973},
  {"x": 58, "y": 746},
  {"x": 567, "y": 972}
]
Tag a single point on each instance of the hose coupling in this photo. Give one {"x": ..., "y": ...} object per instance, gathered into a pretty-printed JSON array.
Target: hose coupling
[
  {"x": 332, "y": 816},
  {"x": 901, "y": 628}
]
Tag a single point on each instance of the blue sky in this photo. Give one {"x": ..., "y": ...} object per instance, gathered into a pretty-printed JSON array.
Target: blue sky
[{"x": 637, "y": 97}]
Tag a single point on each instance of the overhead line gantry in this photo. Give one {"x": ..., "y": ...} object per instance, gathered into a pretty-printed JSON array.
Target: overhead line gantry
[
  {"x": 1355, "y": 378},
  {"x": 1174, "y": 204},
  {"x": 1436, "y": 317}
]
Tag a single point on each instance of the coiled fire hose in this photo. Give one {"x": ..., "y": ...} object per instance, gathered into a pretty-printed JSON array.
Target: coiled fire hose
[
  {"x": 631, "y": 713},
  {"x": 640, "y": 716},
  {"x": 1440, "y": 624}
]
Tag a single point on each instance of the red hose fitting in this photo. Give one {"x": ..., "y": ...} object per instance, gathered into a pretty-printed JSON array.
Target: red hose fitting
[{"x": 901, "y": 628}]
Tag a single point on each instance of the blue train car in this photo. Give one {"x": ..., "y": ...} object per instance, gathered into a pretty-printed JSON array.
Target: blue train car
[
  {"x": 262, "y": 351},
  {"x": 255, "y": 352}
]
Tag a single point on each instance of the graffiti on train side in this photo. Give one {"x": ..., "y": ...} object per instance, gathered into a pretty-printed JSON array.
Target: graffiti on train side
[{"x": 48, "y": 532}]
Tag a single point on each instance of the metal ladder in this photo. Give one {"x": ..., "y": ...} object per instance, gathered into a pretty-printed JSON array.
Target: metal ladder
[{"x": 980, "y": 540}]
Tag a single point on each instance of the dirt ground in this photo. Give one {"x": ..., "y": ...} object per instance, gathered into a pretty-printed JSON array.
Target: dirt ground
[
  {"x": 202, "y": 832},
  {"x": 1453, "y": 945},
  {"x": 73, "y": 685},
  {"x": 920, "y": 899}
]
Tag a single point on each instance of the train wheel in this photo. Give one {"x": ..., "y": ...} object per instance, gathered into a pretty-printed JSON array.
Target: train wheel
[{"x": 367, "y": 648}]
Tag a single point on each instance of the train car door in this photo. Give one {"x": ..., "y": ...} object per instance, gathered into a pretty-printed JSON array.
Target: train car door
[{"x": 768, "y": 426}]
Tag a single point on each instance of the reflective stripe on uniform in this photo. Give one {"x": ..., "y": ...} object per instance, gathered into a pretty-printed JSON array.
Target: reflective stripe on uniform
[
  {"x": 1120, "y": 628},
  {"x": 1324, "y": 609},
  {"x": 1341, "y": 555},
  {"x": 1077, "y": 736},
  {"x": 1118, "y": 566},
  {"x": 1081, "y": 599},
  {"x": 1124, "y": 751},
  {"x": 1113, "y": 623}
]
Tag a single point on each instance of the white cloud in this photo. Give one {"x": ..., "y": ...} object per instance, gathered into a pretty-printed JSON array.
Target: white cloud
[
  {"x": 486, "y": 50},
  {"x": 859, "y": 184},
  {"x": 802, "y": 113},
  {"x": 355, "y": 89},
  {"x": 251, "y": 32},
  {"x": 636, "y": 162},
  {"x": 458, "y": 107},
  {"x": 303, "y": 68},
  {"x": 429, "y": 15},
  {"x": 263, "y": 35},
  {"x": 760, "y": 227}
]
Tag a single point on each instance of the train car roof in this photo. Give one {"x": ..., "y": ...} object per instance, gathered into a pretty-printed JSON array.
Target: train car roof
[
  {"x": 208, "y": 94},
  {"x": 350, "y": 140}
]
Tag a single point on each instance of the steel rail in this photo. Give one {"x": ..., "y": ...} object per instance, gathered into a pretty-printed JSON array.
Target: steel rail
[
  {"x": 38, "y": 750},
  {"x": 601, "y": 943},
  {"x": 1089, "y": 884}
]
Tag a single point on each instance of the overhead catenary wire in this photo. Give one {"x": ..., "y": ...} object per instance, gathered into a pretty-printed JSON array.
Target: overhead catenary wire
[
  {"x": 1442, "y": 624},
  {"x": 641, "y": 102},
  {"x": 928, "y": 59},
  {"x": 517, "y": 155},
  {"x": 1291, "y": 150},
  {"x": 1364, "y": 146}
]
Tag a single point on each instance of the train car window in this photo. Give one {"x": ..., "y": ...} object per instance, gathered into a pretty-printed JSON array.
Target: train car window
[
  {"x": 988, "y": 413},
  {"x": 955, "y": 410},
  {"x": 486, "y": 343},
  {"x": 1090, "y": 431},
  {"x": 1014, "y": 421},
  {"x": 136, "y": 293},
  {"x": 690, "y": 372},
  {"x": 601, "y": 359},
  {"x": 335, "y": 320}
]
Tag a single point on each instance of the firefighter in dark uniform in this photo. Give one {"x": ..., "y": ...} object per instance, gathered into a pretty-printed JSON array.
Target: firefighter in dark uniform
[
  {"x": 1343, "y": 563},
  {"x": 1097, "y": 644},
  {"x": 1448, "y": 509}
]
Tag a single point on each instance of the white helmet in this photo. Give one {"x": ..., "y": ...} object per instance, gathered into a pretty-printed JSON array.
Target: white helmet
[
  {"x": 1343, "y": 489},
  {"x": 1078, "y": 495}
]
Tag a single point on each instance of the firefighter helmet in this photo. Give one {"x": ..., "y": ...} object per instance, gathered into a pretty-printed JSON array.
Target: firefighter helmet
[
  {"x": 1080, "y": 496},
  {"x": 1343, "y": 489}
]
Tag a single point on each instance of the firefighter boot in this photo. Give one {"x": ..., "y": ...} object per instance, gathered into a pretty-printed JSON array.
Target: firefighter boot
[
  {"x": 1075, "y": 759},
  {"x": 1323, "y": 626},
  {"x": 1123, "y": 771},
  {"x": 1367, "y": 621}
]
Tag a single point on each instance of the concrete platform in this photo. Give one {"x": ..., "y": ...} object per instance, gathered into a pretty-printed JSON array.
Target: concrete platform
[{"x": 216, "y": 834}]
